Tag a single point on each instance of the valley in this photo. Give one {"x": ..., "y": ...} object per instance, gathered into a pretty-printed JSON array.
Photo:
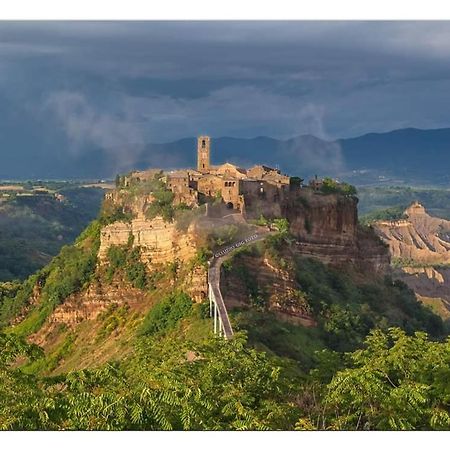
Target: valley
[{"x": 38, "y": 218}]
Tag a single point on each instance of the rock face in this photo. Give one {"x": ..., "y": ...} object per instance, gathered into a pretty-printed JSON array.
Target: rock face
[
  {"x": 326, "y": 227},
  {"x": 419, "y": 238},
  {"x": 421, "y": 243},
  {"x": 431, "y": 285},
  {"x": 89, "y": 304},
  {"x": 160, "y": 242},
  {"x": 276, "y": 286},
  {"x": 321, "y": 219}
]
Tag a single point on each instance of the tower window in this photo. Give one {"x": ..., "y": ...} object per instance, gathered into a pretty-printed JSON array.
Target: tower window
[{"x": 203, "y": 143}]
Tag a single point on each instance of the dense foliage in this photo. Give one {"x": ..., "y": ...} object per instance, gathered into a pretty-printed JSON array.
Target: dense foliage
[
  {"x": 167, "y": 313},
  {"x": 395, "y": 382}
]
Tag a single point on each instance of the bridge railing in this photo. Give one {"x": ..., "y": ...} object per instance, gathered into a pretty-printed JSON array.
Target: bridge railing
[{"x": 217, "y": 308}]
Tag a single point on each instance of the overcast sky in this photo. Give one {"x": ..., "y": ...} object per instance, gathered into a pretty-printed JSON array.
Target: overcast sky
[{"x": 111, "y": 83}]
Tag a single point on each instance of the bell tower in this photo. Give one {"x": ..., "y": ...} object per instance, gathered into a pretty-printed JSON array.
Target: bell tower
[{"x": 203, "y": 153}]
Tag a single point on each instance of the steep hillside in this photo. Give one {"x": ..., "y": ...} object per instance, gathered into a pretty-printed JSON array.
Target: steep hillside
[
  {"x": 294, "y": 304},
  {"x": 90, "y": 304}
]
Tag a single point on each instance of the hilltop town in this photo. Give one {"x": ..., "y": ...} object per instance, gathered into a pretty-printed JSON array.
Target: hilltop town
[
  {"x": 254, "y": 192},
  {"x": 240, "y": 189}
]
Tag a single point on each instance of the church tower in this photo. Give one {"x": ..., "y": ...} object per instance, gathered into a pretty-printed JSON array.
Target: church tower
[{"x": 203, "y": 153}]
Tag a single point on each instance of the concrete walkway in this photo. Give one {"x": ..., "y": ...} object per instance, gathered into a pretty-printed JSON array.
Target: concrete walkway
[{"x": 215, "y": 296}]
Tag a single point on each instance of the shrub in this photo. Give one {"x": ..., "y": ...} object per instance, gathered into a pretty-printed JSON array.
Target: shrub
[
  {"x": 161, "y": 205},
  {"x": 123, "y": 257},
  {"x": 330, "y": 186},
  {"x": 166, "y": 314}
]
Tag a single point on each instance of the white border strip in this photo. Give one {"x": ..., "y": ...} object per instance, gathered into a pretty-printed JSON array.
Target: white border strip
[{"x": 229, "y": 10}]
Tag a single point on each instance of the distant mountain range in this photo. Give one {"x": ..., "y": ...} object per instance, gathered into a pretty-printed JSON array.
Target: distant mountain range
[{"x": 407, "y": 155}]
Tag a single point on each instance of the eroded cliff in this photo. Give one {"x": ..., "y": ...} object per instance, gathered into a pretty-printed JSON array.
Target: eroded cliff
[
  {"x": 420, "y": 249},
  {"x": 419, "y": 237},
  {"x": 159, "y": 241},
  {"x": 326, "y": 227}
]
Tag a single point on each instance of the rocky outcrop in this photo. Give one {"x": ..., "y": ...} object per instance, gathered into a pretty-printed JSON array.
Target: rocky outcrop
[
  {"x": 421, "y": 245},
  {"x": 326, "y": 228},
  {"x": 276, "y": 287},
  {"x": 322, "y": 219},
  {"x": 160, "y": 242},
  {"x": 88, "y": 304},
  {"x": 431, "y": 285},
  {"x": 196, "y": 284},
  {"x": 135, "y": 205},
  {"x": 420, "y": 237}
]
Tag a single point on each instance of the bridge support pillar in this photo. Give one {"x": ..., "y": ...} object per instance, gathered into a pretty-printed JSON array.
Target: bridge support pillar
[
  {"x": 215, "y": 318},
  {"x": 210, "y": 301}
]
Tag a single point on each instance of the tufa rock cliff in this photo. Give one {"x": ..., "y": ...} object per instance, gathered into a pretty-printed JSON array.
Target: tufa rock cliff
[
  {"x": 159, "y": 241},
  {"x": 419, "y": 237},
  {"x": 420, "y": 247},
  {"x": 326, "y": 227}
]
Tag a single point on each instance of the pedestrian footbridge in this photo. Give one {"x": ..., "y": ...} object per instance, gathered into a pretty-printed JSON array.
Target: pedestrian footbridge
[{"x": 217, "y": 310}]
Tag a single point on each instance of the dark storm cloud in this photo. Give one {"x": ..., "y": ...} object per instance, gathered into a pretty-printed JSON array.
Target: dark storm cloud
[{"x": 111, "y": 84}]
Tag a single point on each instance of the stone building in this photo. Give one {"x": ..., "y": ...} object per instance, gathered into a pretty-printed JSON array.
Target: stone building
[
  {"x": 254, "y": 191},
  {"x": 183, "y": 183},
  {"x": 237, "y": 187},
  {"x": 203, "y": 154}
]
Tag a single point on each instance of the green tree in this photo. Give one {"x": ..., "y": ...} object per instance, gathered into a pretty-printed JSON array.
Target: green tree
[
  {"x": 23, "y": 404},
  {"x": 397, "y": 382}
]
